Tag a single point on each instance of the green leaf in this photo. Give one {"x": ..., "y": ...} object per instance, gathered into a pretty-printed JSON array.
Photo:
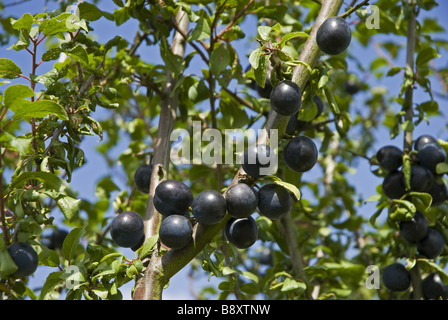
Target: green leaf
[
  {"x": 22, "y": 42},
  {"x": 69, "y": 206},
  {"x": 7, "y": 265},
  {"x": 40, "y": 109},
  {"x": 292, "y": 285},
  {"x": 51, "y": 54},
  {"x": 292, "y": 35},
  {"x": 254, "y": 58},
  {"x": 49, "y": 179},
  {"x": 15, "y": 143},
  {"x": 55, "y": 25},
  {"x": 201, "y": 31},
  {"x": 16, "y": 92},
  {"x": 147, "y": 247},
  {"x": 442, "y": 168},
  {"x": 219, "y": 59},
  {"x": 8, "y": 69},
  {"x": 264, "y": 32},
  {"x": 80, "y": 53},
  {"x": 91, "y": 12},
  {"x": 393, "y": 71},
  {"x": 52, "y": 280},
  {"x": 261, "y": 72},
  {"x": 71, "y": 242},
  {"x": 289, "y": 186},
  {"x": 425, "y": 56},
  {"x": 25, "y": 22}
]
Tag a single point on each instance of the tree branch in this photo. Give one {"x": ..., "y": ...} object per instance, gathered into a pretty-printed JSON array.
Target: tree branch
[
  {"x": 150, "y": 285},
  {"x": 161, "y": 269}
]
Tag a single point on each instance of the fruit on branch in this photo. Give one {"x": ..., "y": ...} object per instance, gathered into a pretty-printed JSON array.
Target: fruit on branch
[
  {"x": 266, "y": 91},
  {"x": 286, "y": 98},
  {"x": 433, "y": 287},
  {"x": 257, "y": 160},
  {"x": 25, "y": 258},
  {"x": 127, "y": 229},
  {"x": 300, "y": 154},
  {"x": 424, "y": 140},
  {"x": 142, "y": 177},
  {"x": 431, "y": 246},
  {"x": 334, "y": 36},
  {"x": 242, "y": 200},
  {"x": 396, "y": 278},
  {"x": 393, "y": 185},
  {"x": 421, "y": 179},
  {"x": 439, "y": 193},
  {"x": 414, "y": 229},
  {"x": 175, "y": 231},
  {"x": 274, "y": 201},
  {"x": 294, "y": 124},
  {"x": 173, "y": 197},
  {"x": 265, "y": 257},
  {"x": 390, "y": 158},
  {"x": 430, "y": 156},
  {"x": 209, "y": 207},
  {"x": 352, "y": 85},
  {"x": 242, "y": 233},
  {"x": 57, "y": 238}
]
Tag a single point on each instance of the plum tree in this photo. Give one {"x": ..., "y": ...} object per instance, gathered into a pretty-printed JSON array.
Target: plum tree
[{"x": 166, "y": 67}]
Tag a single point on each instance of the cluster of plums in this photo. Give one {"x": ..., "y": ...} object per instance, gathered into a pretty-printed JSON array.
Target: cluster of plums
[
  {"x": 397, "y": 278},
  {"x": 424, "y": 177}
]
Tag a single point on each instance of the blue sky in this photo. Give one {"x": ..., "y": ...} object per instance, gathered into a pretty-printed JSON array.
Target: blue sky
[{"x": 84, "y": 180}]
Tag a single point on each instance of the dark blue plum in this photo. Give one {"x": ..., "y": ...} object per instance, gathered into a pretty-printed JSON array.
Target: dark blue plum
[
  {"x": 173, "y": 197},
  {"x": 414, "y": 229},
  {"x": 257, "y": 161},
  {"x": 396, "y": 278},
  {"x": 390, "y": 158},
  {"x": 300, "y": 154},
  {"x": 209, "y": 207},
  {"x": 432, "y": 245},
  {"x": 334, "y": 36},
  {"x": 242, "y": 233},
  {"x": 25, "y": 258},
  {"x": 127, "y": 229},
  {"x": 175, "y": 231},
  {"x": 394, "y": 185},
  {"x": 274, "y": 201},
  {"x": 286, "y": 98},
  {"x": 142, "y": 177},
  {"x": 242, "y": 200},
  {"x": 424, "y": 140},
  {"x": 430, "y": 156}
]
